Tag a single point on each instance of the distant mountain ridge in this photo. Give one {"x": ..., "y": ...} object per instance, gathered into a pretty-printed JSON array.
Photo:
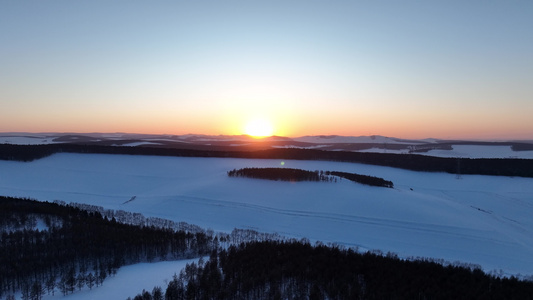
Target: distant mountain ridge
[
  {"x": 373, "y": 143},
  {"x": 243, "y": 137}
]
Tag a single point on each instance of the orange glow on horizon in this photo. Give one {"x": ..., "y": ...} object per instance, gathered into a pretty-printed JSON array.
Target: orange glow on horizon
[{"x": 285, "y": 122}]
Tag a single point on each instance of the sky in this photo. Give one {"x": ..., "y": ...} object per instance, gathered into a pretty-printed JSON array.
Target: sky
[{"x": 407, "y": 69}]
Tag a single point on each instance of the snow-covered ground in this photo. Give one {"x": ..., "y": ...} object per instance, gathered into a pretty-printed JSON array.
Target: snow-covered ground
[
  {"x": 481, "y": 151},
  {"x": 466, "y": 151},
  {"x": 129, "y": 281},
  {"x": 483, "y": 220},
  {"x": 26, "y": 140}
]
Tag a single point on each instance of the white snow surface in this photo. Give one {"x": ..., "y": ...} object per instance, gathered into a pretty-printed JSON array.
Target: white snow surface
[
  {"x": 480, "y": 151},
  {"x": 483, "y": 220},
  {"x": 26, "y": 140},
  {"x": 466, "y": 151},
  {"x": 129, "y": 281}
]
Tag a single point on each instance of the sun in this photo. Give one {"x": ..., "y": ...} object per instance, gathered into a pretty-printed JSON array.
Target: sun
[{"x": 259, "y": 128}]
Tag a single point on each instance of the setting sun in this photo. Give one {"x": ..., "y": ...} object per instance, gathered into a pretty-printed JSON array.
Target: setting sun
[{"x": 259, "y": 128}]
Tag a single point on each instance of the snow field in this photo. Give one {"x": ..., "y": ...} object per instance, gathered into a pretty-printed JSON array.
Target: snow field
[
  {"x": 26, "y": 140},
  {"x": 480, "y": 151},
  {"x": 466, "y": 151},
  {"x": 129, "y": 281},
  {"x": 482, "y": 220}
]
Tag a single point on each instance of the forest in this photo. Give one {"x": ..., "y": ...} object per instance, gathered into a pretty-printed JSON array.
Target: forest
[
  {"x": 298, "y": 270},
  {"x": 415, "y": 162},
  {"x": 290, "y": 174},
  {"x": 45, "y": 246}
]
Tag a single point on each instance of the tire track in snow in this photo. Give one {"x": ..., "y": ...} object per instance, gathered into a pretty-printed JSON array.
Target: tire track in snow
[{"x": 353, "y": 219}]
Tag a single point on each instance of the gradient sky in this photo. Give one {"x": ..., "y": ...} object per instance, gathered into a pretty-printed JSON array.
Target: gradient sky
[{"x": 410, "y": 69}]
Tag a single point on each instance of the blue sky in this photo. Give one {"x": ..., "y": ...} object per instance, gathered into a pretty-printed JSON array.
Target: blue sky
[{"x": 400, "y": 68}]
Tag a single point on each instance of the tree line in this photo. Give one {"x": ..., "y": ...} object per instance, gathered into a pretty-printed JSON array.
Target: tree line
[
  {"x": 58, "y": 247},
  {"x": 299, "y": 270},
  {"x": 291, "y": 174},
  {"x": 44, "y": 246},
  {"x": 363, "y": 179},
  {"x": 283, "y": 174},
  {"x": 480, "y": 166}
]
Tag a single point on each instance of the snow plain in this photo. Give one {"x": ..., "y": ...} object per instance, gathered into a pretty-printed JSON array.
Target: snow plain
[
  {"x": 481, "y": 151},
  {"x": 26, "y": 140},
  {"x": 484, "y": 220},
  {"x": 466, "y": 151},
  {"x": 129, "y": 281}
]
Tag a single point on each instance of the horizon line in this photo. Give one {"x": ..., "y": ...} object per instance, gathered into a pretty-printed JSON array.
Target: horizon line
[{"x": 477, "y": 139}]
